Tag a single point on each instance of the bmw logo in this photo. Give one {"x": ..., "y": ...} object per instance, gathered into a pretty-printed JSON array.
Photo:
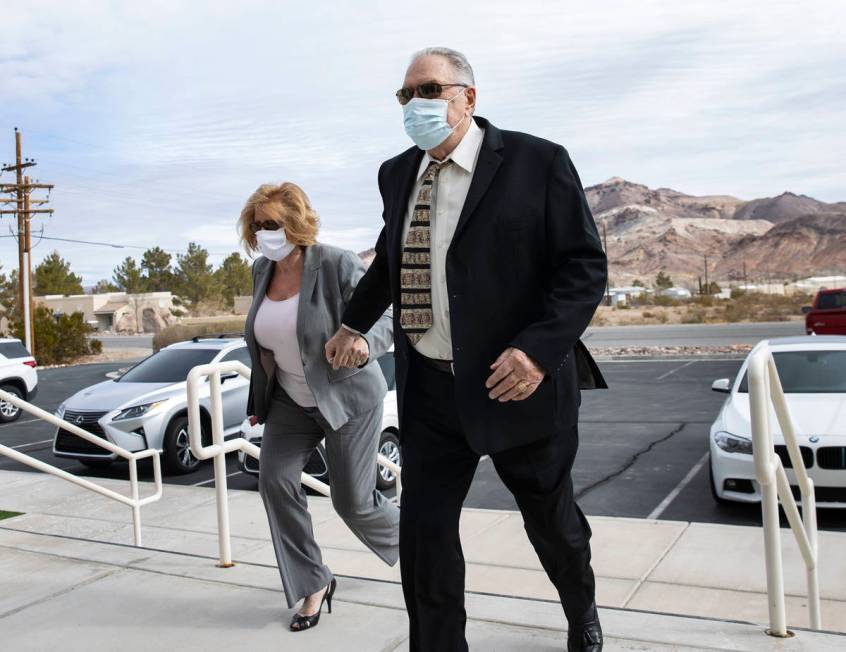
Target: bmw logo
[{"x": 813, "y": 439}]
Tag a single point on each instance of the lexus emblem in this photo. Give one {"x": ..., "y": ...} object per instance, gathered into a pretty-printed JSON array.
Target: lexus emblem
[
  {"x": 813, "y": 439},
  {"x": 79, "y": 420}
]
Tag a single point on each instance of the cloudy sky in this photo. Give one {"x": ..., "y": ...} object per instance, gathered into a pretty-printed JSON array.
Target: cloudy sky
[{"x": 157, "y": 119}]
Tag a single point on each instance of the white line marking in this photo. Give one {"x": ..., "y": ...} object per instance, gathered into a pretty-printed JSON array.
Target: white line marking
[
  {"x": 18, "y": 423},
  {"x": 662, "y": 506},
  {"x": 210, "y": 480},
  {"x": 674, "y": 370},
  {"x": 33, "y": 443}
]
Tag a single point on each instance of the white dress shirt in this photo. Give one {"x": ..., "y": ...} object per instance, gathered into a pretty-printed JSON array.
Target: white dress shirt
[{"x": 448, "y": 200}]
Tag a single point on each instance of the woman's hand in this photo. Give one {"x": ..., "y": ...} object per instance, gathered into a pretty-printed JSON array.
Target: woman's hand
[{"x": 347, "y": 349}]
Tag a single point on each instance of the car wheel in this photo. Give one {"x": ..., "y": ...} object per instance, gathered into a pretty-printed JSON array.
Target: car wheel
[
  {"x": 97, "y": 464},
  {"x": 9, "y": 412},
  {"x": 717, "y": 499},
  {"x": 178, "y": 458},
  {"x": 389, "y": 446}
]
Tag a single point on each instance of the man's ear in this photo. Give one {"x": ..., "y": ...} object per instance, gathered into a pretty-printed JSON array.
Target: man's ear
[{"x": 470, "y": 93}]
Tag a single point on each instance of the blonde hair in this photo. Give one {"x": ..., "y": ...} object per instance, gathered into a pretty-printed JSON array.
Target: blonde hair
[{"x": 287, "y": 204}]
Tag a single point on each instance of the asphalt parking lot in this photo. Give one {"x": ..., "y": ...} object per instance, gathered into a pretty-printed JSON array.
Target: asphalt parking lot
[{"x": 643, "y": 444}]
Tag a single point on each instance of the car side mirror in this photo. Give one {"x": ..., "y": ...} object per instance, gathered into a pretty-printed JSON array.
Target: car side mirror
[
  {"x": 722, "y": 385},
  {"x": 806, "y": 309}
]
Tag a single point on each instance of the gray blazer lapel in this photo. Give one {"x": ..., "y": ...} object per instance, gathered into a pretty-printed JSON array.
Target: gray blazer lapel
[
  {"x": 311, "y": 266},
  {"x": 263, "y": 276}
]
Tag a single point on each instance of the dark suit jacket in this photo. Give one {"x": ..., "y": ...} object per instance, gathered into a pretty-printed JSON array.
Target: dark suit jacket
[{"x": 525, "y": 268}]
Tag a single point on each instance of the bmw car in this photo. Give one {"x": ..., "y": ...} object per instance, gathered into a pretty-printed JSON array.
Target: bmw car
[{"x": 812, "y": 370}]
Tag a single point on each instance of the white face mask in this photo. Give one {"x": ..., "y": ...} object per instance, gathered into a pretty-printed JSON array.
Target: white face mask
[{"x": 273, "y": 244}]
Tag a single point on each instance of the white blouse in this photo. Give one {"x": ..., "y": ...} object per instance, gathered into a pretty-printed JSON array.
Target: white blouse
[{"x": 275, "y": 329}]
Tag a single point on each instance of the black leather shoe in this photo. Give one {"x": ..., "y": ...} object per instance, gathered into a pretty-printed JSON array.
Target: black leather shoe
[{"x": 586, "y": 637}]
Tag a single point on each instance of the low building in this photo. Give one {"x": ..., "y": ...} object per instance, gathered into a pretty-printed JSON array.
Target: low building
[
  {"x": 242, "y": 305},
  {"x": 146, "y": 312}
]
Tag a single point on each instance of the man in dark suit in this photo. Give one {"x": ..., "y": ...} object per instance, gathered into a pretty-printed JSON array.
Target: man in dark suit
[{"x": 492, "y": 261}]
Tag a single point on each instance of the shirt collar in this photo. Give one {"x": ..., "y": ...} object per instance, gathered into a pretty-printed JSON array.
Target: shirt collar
[{"x": 465, "y": 153}]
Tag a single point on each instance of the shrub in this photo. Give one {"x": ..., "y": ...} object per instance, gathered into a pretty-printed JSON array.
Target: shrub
[
  {"x": 60, "y": 338},
  {"x": 694, "y": 316},
  {"x": 182, "y": 332}
]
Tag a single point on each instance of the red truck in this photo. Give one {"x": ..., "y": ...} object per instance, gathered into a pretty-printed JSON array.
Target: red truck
[{"x": 828, "y": 314}]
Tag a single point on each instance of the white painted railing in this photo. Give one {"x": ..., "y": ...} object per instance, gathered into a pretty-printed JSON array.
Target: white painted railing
[
  {"x": 765, "y": 390},
  {"x": 220, "y": 447},
  {"x": 134, "y": 501}
]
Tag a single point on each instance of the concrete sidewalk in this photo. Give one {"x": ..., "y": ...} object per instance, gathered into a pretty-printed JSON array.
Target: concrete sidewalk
[{"x": 76, "y": 577}]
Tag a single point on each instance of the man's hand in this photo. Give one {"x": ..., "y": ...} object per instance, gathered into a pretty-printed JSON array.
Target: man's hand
[
  {"x": 347, "y": 349},
  {"x": 515, "y": 378}
]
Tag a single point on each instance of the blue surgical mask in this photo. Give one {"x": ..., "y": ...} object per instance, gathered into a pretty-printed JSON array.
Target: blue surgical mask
[{"x": 426, "y": 121}]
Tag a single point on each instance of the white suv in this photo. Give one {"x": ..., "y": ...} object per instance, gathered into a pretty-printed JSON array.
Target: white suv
[{"x": 17, "y": 376}]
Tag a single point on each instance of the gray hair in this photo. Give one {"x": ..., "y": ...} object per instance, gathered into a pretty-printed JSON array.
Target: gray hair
[{"x": 459, "y": 63}]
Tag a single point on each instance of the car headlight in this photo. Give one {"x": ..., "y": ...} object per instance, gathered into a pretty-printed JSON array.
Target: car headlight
[
  {"x": 136, "y": 411},
  {"x": 733, "y": 443}
]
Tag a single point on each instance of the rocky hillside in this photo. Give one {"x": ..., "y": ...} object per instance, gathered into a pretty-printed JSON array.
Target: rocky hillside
[{"x": 651, "y": 230}]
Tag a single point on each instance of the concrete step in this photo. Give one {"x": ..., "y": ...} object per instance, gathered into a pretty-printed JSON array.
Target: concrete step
[{"x": 74, "y": 593}]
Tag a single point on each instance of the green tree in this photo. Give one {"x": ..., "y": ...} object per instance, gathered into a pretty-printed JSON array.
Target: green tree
[
  {"x": 127, "y": 276},
  {"x": 637, "y": 283},
  {"x": 59, "y": 338},
  {"x": 53, "y": 276},
  {"x": 194, "y": 278},
  {"x": 663, "y": 281},
  {"x": 158, "y": 275},
  {"x": 233, "y": 278},
  {"x": 104, "y": 285}
]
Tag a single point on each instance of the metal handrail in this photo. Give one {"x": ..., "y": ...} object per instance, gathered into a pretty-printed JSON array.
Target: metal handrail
[
  {"x": 765, "y": 391},
  {"x": 220, "y": 447},
  {"x": 135, "y": 502}
]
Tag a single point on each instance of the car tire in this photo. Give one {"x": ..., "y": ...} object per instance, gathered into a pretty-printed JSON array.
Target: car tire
[
  {"x": 97, "y": 464},
  {"x": 714, "y": 495},
  {"x": 178, "y": 458},
  {"x": 389, "y": 446},
  {"x": 9, "y": 412}
]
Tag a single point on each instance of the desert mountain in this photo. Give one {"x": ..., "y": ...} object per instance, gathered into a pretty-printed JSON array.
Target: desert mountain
[{"x": 651, "y": 230}]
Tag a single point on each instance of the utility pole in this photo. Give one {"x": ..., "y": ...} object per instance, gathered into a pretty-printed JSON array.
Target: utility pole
[
  {"x": 23, "y": 210},
  {"x": 707, "y": 287},
  {"x": 605, "y": 246}
]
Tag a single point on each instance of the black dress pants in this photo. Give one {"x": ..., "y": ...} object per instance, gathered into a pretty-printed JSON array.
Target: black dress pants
[{"x": 438, "y": 467}]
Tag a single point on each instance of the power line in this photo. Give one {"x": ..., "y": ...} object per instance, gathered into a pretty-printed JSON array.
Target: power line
[{"x": 115, "y": 245}]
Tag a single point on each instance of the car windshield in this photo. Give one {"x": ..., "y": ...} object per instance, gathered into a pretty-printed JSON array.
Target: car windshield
[
  {"x": 168, "y": 366},
  {"x": 808, "y": 372}
]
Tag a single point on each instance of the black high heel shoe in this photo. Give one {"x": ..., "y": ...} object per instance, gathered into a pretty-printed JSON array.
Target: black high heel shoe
[{"x": 301, "y": 623}]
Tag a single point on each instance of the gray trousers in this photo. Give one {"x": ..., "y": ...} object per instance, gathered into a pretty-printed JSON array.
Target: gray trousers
[{"x": 291, "y": 434}]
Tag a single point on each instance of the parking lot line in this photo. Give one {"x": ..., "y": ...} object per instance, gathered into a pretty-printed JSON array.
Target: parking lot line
[
  {"x": 18, "y": 423},
  {"x": 210, "y": 480},
  {"x": 662, "y": 506},
  {"x": 32, "y": 443},
  {"x": 674, "y": 370}
]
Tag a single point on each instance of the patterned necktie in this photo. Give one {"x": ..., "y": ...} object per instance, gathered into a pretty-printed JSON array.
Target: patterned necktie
[{"x": 415, "y": 269}]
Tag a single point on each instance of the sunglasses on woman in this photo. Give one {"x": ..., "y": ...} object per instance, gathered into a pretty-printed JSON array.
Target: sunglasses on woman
[
  {"x": 428, "y": 91},
  {"x": 268, "y": 225}
]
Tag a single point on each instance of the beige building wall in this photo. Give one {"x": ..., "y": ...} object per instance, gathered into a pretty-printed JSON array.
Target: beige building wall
[{"x": 242, "y": 305}]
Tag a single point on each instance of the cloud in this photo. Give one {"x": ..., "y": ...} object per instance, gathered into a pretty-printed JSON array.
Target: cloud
[{"x": 156, "y": 120}]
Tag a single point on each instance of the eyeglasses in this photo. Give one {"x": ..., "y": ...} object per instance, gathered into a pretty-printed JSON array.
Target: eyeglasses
[
  {"x": 268, "y": 225},
  {"x": 428, "y": 91}
]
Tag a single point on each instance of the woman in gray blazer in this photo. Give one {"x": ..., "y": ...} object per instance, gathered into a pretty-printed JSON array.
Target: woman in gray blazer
[{"x": 300, "y": 288}]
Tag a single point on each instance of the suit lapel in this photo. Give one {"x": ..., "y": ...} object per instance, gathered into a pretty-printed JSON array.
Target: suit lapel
[
  {"x": 407, "y": 177},
  {"x": 311, "y": 265},
  {"x": 486, "y": 166},
  {"x": 263, "y": 276}
]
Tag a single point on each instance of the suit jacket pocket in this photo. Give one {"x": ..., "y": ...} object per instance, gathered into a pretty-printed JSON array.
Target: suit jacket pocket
[{"x": 337, "y": 375}]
